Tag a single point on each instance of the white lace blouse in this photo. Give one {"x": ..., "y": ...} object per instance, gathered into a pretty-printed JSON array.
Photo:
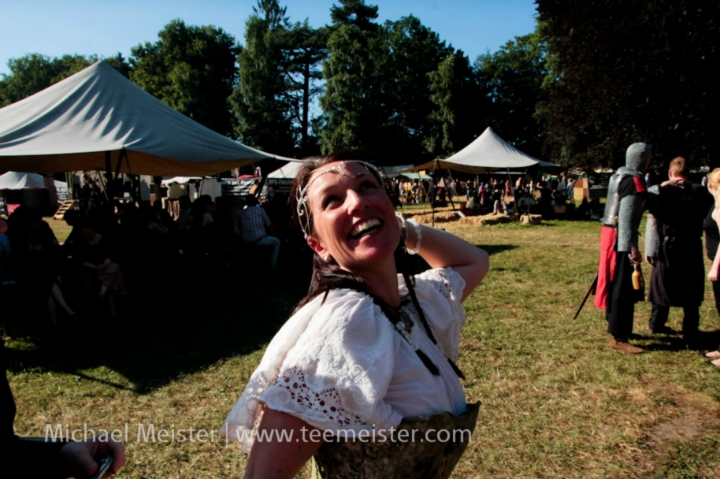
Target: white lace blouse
[{"x": 342, "y": 364}]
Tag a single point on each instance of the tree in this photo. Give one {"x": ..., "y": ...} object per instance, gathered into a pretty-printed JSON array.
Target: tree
[
  {"x": 305, "y": 49},
  {"x": 642, "y": 76},
  {"x": 513, "y": 78},
  {"x": 191, "y": 69},
  {"x": 260, "y": 100},
  {"x": 377, "y": 92},
  {"x": 351, "y": 100},
  {"x": 411, "y": 52},
  {"x": 32, "y": 73},
  {"x": 458, "y": 107},
  {"x": 119, "y": 63}
]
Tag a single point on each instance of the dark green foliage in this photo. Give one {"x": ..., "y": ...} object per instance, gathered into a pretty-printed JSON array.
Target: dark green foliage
[
  {"x": 119, "y": 63},
  {"x": 305, "y": 48},
  {"x": 378, "y": 84},
  {"x": 352, "y": 100},
  {"x": 192, "y": 69},
  {"x": 513, "y": 78},
  {"x": 279, "y": 70},
  {"x": 410, "y": 53},
  {"x": 34, "y": 72},
  {"x": 459, "y": 109},
  {"x": 632, "y": 70}
]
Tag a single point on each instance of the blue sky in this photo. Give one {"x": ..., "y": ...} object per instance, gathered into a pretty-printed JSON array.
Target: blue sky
[{"x": 103, "y": 27}]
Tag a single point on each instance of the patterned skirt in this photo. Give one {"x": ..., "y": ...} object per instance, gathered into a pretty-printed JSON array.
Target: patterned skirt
[{"x": 427, "y": 447}]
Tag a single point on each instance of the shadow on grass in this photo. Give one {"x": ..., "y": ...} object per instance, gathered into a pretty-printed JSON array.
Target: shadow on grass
[
  {"x": 706, "y": 341},
  {"x": 175, "y": 333},
  {"x": 172, "y": 335},
  {"x": 496, "y": 248}
]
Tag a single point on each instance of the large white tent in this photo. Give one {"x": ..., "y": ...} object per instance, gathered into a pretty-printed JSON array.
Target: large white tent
[
  {"x": 487, "y": 152},
  {"x": 87, "y": 120}
]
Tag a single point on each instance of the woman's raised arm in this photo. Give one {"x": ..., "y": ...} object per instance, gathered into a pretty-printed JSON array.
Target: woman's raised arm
[{"x": 443, "y": 250}]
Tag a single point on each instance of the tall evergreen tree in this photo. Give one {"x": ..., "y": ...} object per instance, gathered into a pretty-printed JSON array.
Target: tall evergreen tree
[
  {"x": 411, "y": 53},
  {"x": 513, "y": 78},
  {"x": 304, "y": 50},
  {"x": 459, "y": 109},
  {"x": 352, "y": 100},
  {"x": 192, "y": 69},
  {"x": 261, "y": 100}
]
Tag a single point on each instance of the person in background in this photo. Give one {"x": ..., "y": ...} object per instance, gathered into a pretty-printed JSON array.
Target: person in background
[
  {"x": 562, "y": 186},
  {"x": 5, "y": 251},
  {"x": 184, "y": 220},
  {"x": 673, "y": 246},
  {"x": 256, "y": 229},
  {"x": 571, "y": 190},
  {"x": 711, "y": 225},
  {"x": 619, "y": 250}
]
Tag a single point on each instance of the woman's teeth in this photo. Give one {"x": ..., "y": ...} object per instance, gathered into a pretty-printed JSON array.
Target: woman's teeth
[{"x": 364, "y": 226}]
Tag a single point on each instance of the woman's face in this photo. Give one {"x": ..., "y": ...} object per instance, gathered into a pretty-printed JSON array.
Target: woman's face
[{"x": 353, "y": 218}]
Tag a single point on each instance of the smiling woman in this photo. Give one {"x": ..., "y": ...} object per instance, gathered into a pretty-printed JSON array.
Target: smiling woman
[{"x": 371, "y": 350}]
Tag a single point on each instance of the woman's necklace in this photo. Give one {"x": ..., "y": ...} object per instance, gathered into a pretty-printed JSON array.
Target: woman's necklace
[{"x": 403, "y": 323}]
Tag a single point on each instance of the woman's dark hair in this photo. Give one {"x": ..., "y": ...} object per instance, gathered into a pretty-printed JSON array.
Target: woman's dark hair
[{"x": 327, "y": 276}]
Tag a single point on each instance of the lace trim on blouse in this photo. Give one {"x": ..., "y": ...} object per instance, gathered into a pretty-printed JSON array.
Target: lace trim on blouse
[{"x": 316, "y": 399}]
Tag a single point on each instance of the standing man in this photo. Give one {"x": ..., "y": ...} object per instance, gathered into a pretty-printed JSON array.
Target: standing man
[
  {"x": 619, "y": 252},
  {"x": 571, "y": 190},
  {"x": 256, "y": 229},
  {"x": 673, "y": 245}
]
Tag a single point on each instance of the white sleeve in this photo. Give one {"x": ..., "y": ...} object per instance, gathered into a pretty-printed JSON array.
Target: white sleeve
[
  {"x": 337, "y": 375},
  {"x": 439, "y": 292}
]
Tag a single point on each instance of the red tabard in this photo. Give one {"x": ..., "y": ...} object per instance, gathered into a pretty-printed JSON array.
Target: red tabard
[{"x": 606, "y": 269}]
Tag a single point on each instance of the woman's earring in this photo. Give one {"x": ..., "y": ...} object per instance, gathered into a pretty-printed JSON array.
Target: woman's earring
[{"x": 327, "y": 258}]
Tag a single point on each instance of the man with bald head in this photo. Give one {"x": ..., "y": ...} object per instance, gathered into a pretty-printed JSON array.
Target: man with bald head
[{"x": 619, "y": 251}]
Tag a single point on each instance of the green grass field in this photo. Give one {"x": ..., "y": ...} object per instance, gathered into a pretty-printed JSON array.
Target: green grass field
[{"x": 557, "y": 402}]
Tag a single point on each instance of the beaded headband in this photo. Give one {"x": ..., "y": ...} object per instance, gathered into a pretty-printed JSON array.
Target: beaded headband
[{"x": 303, "y": 211}]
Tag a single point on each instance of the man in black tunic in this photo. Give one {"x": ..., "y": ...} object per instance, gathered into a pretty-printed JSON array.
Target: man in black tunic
[{"x": 673, "y": 245}]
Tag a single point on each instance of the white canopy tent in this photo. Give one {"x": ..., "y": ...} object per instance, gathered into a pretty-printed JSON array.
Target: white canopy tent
[
  {"x": 95, "y": 116},
  {"x": 488, "y": 152},
  {"x": 14, "y": 180},
  {"x": 289, "y": 171}
]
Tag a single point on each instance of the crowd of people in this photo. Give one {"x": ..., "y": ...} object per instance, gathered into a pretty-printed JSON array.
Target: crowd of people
[
  {"x": 490, "y": 194},
  {"x": 102, "y": 264}
]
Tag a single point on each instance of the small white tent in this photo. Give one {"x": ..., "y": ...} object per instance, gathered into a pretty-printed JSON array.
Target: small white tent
[
  {"x": 486, "y": 152},
  {"x": 288, "y": 171},
  {"x": 91, "y": 117},
  {"x": 13, "y": 180}
]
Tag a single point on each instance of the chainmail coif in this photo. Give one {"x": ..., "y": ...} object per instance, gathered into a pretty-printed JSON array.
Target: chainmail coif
[{"x": 637, "y": 155}]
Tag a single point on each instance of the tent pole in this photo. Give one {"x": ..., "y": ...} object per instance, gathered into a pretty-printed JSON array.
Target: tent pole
[
  {"x": 109, "y": 176},
  {"x": 452, "y": 203},
  {"x": 432, "y": 205}
]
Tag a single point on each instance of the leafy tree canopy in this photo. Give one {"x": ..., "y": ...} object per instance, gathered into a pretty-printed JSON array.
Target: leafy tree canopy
[
  {"x": 32, "y": 73},
  {"x": 643, "y": 73},
  {"x": 192, "y": 69},
  {"x": 457, "y": 116},
  {"x": 512, "y": 78}
]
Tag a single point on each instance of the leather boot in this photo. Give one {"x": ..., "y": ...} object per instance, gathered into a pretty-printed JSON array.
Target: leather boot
[{"x": 625, "y": 347}]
